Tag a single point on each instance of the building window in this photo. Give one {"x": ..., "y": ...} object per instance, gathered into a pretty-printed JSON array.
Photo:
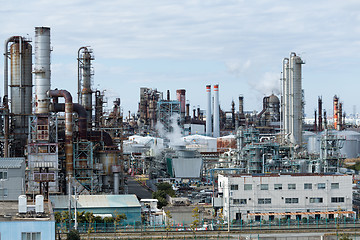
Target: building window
[
  {"x": 321, "y": 185},
  {"x": 264, "y": 201},
  {"x": 239, "y": 201},
  {"x": 307, "y": 185},
  {"x": 316, "y": 200},
  {"x": 334, "y": 185},
  {"x": 264, "y": 186},
  {"x": 234, "y": 187},
  {"x": 3, "y": 175},
  {"x": 277, "y": 186},
  {"x": 30, "y": 236},
  {"x": 291, "y": 186},
  {"x": 291, "y": 200},
  {"x": 3, "y": 192},
  {"x": 247, "y": 187},
  {"x": 337, "y": 199}
]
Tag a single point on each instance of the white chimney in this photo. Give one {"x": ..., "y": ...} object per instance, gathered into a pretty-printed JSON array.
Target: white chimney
[
  {"x": 216, "y": 112},
  {"x": 208, "y": 111}
]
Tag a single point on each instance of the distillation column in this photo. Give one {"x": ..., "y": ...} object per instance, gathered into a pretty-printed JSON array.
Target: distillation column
[
  {"x": 296, "y": 102},
  {"x": 85, "y": 92},
  {"x": 42, "y": 69}
]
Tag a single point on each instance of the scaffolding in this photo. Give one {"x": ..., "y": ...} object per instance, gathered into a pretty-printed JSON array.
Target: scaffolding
[
  {"x": 330, "y": 157},
  {"x": 84, "y": 165},
  {"x": 167, "y": 110}
]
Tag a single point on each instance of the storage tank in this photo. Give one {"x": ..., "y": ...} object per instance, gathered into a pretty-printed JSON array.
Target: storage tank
[
  {"x": 108, "y": 159},
  {"x": 22, "y": 204},
  {"x": 351, "y": 148},
  {"x": 39, "y": 204}
]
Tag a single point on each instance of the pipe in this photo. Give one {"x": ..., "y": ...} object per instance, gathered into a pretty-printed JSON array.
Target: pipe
[
  {"x": 68, "y": 127},
  {"x": 116, "y": 183},
  {"x": 80, "y": 110}
]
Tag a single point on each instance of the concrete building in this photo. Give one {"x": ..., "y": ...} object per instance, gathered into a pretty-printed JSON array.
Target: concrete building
[
  {"x": 12, "y": 178},
  {"x": 101, "y": 205},
  {"x": 27, "y": 225},
  {"x": 270, "y": 196}
]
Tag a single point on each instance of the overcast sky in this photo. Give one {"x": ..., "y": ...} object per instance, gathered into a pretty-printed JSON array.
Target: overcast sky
[{"x": 167, "y": 44}]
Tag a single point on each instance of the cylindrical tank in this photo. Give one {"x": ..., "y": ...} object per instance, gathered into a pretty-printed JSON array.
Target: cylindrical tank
[
  {"x": 21, "y": 86},
  {"x": 42, "y": 69},
  {"x": 274, "y": 108},
  {"x": 108, "y": 159},
  {"x": 296, "y": 105},
  {"x": 216, "y": 112},
  {"x": 208, "y": 111}
]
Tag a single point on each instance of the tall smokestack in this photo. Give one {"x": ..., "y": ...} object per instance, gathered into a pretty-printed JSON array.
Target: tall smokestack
[
  {"x": 208, "y": 111},
  {"x": 168, "y": 95},
  {"x": 340, "y": 116},
  {"x": 320, "y": 114},
  {"x": 216, "y": 112},
  {"x": 336, "y": 110},
  {"x": 42, "y": 69},
  {"x": 180, "y": 96},
  {"x": 315, "y": 122},
  {"x": 241, "y": 105}
]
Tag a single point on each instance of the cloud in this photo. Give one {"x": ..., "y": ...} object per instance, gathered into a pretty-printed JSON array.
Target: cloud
[
  {"x": 250, "y": 37},
  {"x": 268, "y": 84}
]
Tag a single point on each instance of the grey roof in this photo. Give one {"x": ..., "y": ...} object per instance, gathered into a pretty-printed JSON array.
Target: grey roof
[
  {"x": 11, "y": 162},
  {"x": 96, "y": 201}
]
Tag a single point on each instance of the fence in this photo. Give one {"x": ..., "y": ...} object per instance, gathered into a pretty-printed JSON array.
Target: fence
[{"x": 280, "y": 224}]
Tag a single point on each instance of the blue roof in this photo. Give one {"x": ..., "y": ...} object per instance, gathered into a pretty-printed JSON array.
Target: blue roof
[
  {"x": 96, "y": 201},
  {"x": 11, "y": 162}
]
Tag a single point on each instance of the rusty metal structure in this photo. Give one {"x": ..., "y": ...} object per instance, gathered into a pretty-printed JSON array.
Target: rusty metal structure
[
  {"x": 85, "y": 73},
  {"x": 64, "y": 146}
]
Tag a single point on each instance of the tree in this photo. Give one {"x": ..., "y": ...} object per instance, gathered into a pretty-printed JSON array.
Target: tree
[
  {"x": 73, "y": 235},
  {"x": 160, "y": 195},
  {"x": 167, "y": 188},
  {"x": 168, "y": 222},
  {"x": 118, "y": 218},
  {"x": 196, "y": 219}
]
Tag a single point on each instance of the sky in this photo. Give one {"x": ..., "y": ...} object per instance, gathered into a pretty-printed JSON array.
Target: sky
[{"x": 171, "y": 44}]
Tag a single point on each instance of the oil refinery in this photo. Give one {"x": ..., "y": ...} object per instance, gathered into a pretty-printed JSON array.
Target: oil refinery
[{"x": 243, "y": 165}]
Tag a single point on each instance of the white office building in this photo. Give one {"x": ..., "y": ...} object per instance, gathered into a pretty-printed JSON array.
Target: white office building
[{"x": 270, "y": 196}]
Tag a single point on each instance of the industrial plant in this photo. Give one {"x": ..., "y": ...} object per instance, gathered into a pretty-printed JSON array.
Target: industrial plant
[{"x": 244, "y": 165}]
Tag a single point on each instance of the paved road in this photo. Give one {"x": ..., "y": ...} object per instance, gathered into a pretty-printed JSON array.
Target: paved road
[{"x": 136, "y": 188}]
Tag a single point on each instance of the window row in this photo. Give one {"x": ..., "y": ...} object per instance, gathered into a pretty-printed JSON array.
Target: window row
[
  {"x": 290, "y": 186},
  {"x": 290, "y": 200}
]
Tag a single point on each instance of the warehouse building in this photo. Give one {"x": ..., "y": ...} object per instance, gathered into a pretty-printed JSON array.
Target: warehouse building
[
  {"x": 293, "y": 196},
  {"x": 101, "y": 205}
]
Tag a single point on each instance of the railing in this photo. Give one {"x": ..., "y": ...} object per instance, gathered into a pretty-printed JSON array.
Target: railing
[{"x": 277, "y": 224}]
